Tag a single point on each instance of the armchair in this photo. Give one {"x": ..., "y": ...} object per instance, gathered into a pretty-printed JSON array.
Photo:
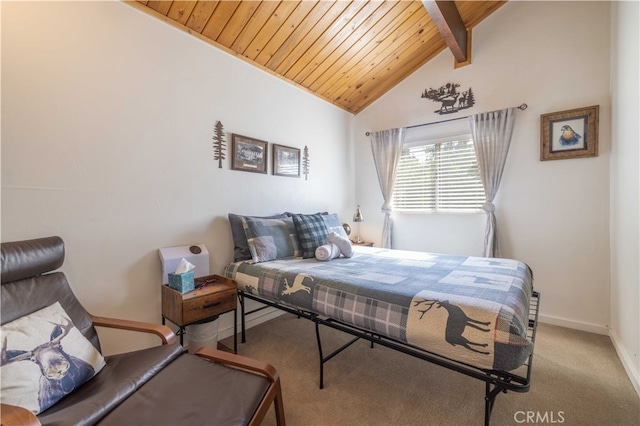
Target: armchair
[{"x": 158, "y": 385}]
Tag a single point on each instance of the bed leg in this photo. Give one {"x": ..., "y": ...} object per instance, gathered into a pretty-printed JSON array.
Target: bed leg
[
  {"x": 243, "y": 327},
  {"x": 320, "y": 355},
  {"x": 487, "y": 404},
  {"x": 490, "y": 399},
  {"x": 235, "y": 330}
]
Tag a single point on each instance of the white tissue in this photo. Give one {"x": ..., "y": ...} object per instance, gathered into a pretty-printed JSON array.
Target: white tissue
[{"x": 184, "y": 266}]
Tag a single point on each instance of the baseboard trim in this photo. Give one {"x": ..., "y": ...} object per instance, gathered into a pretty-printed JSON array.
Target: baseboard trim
[
  {"x": 253, "y": 320},
  {"x": 576, "y": 325},
  {"x": 627, "y": 362}
]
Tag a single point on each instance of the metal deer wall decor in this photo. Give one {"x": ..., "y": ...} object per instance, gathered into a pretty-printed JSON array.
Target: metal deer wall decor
[{"x": 451, "y": 99}]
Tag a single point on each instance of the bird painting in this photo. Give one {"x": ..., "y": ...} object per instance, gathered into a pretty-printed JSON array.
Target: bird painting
[{"x": 568, "y": 136}]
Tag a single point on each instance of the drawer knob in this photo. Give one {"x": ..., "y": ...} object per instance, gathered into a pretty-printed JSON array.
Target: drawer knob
[{"x": 211, "y": 305}]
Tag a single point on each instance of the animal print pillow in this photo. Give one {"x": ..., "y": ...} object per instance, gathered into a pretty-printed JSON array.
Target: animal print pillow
[{"x": 44, "y": 358}]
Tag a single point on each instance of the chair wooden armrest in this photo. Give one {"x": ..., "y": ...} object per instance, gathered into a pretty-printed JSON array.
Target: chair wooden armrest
[
  {"x": 12, "y": 415},
  {"x": 265, "y": 369},
  {"x": 162, "y": 331},
  {"x": 239, "y": 361}
]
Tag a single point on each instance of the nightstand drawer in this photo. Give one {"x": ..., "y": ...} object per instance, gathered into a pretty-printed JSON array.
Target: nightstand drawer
[
  {"x": 208, "y": 306},
  {"x": 214, "y": 295}
]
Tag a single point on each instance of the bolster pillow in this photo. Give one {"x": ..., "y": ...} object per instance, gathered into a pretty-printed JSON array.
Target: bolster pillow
[
  {"x": 343, "y": 244},
  {"x": 327, "y": 252}
]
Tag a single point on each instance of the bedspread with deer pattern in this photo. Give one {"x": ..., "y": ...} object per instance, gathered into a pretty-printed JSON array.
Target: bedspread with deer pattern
[{"x": 470, "y": 309}]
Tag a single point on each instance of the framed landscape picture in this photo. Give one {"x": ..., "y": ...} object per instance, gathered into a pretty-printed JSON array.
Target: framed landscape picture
[
  {"x": 286, "y": 161},
  {"x": 569, "y": 134},
  {"x": 248, "y": 154}
]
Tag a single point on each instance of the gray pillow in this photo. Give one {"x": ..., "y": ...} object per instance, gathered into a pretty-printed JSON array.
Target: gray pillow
[
  {"x": 240, "y": 245},
  {"x": 271, "y": 239},
  {"x": 334, "y": 225}
]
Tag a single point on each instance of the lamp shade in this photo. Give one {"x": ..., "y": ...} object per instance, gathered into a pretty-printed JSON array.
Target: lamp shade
[{"x": 357, "y": 217}]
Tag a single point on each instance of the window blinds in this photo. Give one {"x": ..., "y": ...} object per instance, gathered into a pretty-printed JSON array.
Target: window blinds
[{"x": 438, "y": 177}]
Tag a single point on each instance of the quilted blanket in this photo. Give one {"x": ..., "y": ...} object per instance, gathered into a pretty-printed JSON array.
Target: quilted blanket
[{"x": 469, "y": 309}]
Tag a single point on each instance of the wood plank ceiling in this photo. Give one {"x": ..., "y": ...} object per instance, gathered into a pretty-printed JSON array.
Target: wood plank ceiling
[{"x": 348, "y": 53}]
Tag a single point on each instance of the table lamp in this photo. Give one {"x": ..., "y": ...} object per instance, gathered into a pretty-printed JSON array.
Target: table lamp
[{"x": 357, "y": 218}]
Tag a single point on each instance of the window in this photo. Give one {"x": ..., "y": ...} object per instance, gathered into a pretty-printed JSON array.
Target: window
[{"x": 438, "y": 177}]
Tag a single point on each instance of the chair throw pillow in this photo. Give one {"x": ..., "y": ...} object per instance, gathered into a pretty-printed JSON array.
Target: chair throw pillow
[
  {"x": 271, "y": 239},
  {"x": 44, "y": 358},
  {"x": 312, "y": 232}
]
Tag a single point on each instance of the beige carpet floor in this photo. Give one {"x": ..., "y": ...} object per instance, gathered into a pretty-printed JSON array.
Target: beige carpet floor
[{"x": 577, "y": 379}]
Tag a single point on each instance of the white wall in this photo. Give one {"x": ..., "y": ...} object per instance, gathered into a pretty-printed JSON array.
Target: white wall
[
  {"x": 553, "y": 215},
  {"x": 107, "y": 125},
  {"x": 625, "y": 186},
  {"x": 107, "y": 118}
]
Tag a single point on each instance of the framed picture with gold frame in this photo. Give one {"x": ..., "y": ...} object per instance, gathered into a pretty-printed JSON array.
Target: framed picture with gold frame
[{"x": 569, "y": 134}]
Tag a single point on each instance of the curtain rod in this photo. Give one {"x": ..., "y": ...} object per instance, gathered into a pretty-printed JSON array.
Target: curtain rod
[{"x": 522, "y": 107}]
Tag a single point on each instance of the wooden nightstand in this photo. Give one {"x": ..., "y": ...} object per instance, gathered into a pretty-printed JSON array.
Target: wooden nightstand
[
  {"x": 364, "y": 243},
  {"x": 214, "y": 295}
]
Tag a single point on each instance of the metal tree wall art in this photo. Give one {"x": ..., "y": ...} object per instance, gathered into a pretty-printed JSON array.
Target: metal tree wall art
[
  {"x": 218, "y": 143},
  {"x": 450, "y": 98},
  {"x": 305, "y": 162}
]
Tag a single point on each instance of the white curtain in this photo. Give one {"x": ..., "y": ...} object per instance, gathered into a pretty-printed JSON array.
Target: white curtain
[
  {"x": 491, "y": 133},
  {"x": 387, "y": 148}
]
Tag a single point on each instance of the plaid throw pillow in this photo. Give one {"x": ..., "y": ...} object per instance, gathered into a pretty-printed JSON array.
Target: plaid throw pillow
[
  {"x": 270, "y": 239},
  {"x": 240, "y": 245},
  {"x": 312, "y": 233}
]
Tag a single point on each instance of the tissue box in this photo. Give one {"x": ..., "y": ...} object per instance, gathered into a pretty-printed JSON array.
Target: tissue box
[
  {"x": 183, "y": 283},
  {"x": 171, "y": 257}
]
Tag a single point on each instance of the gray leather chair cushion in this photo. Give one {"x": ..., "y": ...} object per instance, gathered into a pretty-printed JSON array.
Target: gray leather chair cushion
[
  {"x": 42, "y": 291},
  {"x": 24, "y": 259},
  {"x": 121, "y": 377},
  {"x": 24, "y": 277},
  {"x": 159, "y": 385},
  {"x": 193, "y": 391}
]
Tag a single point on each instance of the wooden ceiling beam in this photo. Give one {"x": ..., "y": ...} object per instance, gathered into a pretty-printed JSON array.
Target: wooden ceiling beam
[
  {"x": 347, "y": 52},
  {"x": 447, "y": 19}
]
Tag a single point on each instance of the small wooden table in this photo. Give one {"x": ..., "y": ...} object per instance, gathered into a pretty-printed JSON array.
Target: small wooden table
[
  {"x": 363, "y": 243},
  {"x": 213, "y": 295}
]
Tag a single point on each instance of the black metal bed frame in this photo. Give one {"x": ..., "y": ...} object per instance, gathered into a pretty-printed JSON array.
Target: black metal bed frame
[{"x": 496, "y": 381}]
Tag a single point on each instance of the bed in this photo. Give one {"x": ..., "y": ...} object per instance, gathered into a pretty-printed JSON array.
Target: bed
[{"x": 473, "y": 315}]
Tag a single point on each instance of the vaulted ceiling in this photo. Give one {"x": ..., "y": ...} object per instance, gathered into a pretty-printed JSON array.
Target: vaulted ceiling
[{"x": 348, "y": 53}]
